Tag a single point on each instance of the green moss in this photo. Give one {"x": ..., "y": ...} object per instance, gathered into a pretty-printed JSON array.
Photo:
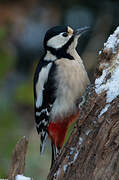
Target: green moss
[
  {"x": 6, "y": 63},
  {"x": 69, "y": 132},
  {"x": 3, "y": 33},
  {"x": 24, "y": 93},
  {"x": 9, "y": 136}
]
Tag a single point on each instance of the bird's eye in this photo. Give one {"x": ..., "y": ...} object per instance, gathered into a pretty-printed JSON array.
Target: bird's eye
[{"x": 65, "y": 34}]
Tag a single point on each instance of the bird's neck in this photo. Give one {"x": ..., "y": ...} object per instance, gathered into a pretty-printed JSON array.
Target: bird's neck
[
  {"x": 67, "y": 51},
  {"x": 49, "y": 56},
  {"x": 53, "y": 54},
  {"x": 72, "y": 49}
]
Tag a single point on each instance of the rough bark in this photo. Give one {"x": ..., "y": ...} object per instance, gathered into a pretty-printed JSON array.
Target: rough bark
[
  {"x": 92, "y": 151},
  {"x": 18, "y": 159}
]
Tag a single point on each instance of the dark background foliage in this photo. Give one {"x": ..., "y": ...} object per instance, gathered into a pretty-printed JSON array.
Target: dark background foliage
[{"x": 23, "y": 24}]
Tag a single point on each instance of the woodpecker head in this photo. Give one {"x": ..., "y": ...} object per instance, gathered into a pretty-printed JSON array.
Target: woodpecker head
[{"x": 59, "y": 39}]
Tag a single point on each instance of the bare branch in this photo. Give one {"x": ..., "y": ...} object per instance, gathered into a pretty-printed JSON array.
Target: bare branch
[{"x": 18, "y": 158}]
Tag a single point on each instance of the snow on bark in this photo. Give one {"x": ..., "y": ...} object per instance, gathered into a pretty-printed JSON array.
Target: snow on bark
[
  {"x": 56, "y": 174},
  {"x": 110, "y": 85},
  {"x": 71, "y": 162},
  {"x": 88, "y": 132},
  {"x": 104, "y": 110},
  {"x": 112, "y": 41},
  {"x": 21, "y": 177}
]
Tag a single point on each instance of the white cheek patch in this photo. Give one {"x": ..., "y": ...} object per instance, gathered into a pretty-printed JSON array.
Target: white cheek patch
[
  {"x": 58, "y": 41},
  {"x": 43, "y": 76}
]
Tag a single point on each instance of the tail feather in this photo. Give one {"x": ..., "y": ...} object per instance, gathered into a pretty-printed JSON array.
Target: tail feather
[
  {"x": 43, "y": 142},
  {"x": 55, "y": 153}
]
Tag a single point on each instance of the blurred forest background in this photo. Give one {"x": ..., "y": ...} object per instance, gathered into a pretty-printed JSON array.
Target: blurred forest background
[{"x": 23, "y": 24}]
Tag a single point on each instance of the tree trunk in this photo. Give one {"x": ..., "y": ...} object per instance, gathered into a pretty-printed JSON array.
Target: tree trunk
[{"x": 92, "y": 151}]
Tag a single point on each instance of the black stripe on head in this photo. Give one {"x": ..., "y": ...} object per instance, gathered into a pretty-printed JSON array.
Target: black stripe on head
[
  {"x": 53, "y": 32},
  {"x": 62, "y": 52}
]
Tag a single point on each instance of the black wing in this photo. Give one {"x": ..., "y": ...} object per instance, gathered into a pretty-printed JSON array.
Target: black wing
[{"x": 42, "y": 112}]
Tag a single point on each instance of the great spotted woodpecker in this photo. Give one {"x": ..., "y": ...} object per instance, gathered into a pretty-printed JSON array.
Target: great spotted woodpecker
[{"x": 59, "y": 81}]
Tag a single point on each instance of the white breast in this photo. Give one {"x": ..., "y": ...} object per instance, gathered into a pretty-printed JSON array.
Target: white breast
[
  {"x": 72, "y": 81},
  {"x": 43, "y": 76}
]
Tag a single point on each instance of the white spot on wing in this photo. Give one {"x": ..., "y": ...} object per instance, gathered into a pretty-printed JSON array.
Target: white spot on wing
[
  {"x": 42, "y": 111},
  {"x": 39, "y": 99},
  {"x": 38, "y": 113},
  {"x": 43, "y": 132},
  {"x": 38, "y": 124},
  {"x": 43, "y": 76}
]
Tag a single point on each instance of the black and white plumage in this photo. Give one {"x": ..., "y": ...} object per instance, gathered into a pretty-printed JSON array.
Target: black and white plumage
[
  {"x": 59, "y": 81},
  {"x": 44, "y": 97}
]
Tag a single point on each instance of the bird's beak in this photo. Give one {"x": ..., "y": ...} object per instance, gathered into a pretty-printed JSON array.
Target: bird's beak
[{"x": 78, "y": 32}]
